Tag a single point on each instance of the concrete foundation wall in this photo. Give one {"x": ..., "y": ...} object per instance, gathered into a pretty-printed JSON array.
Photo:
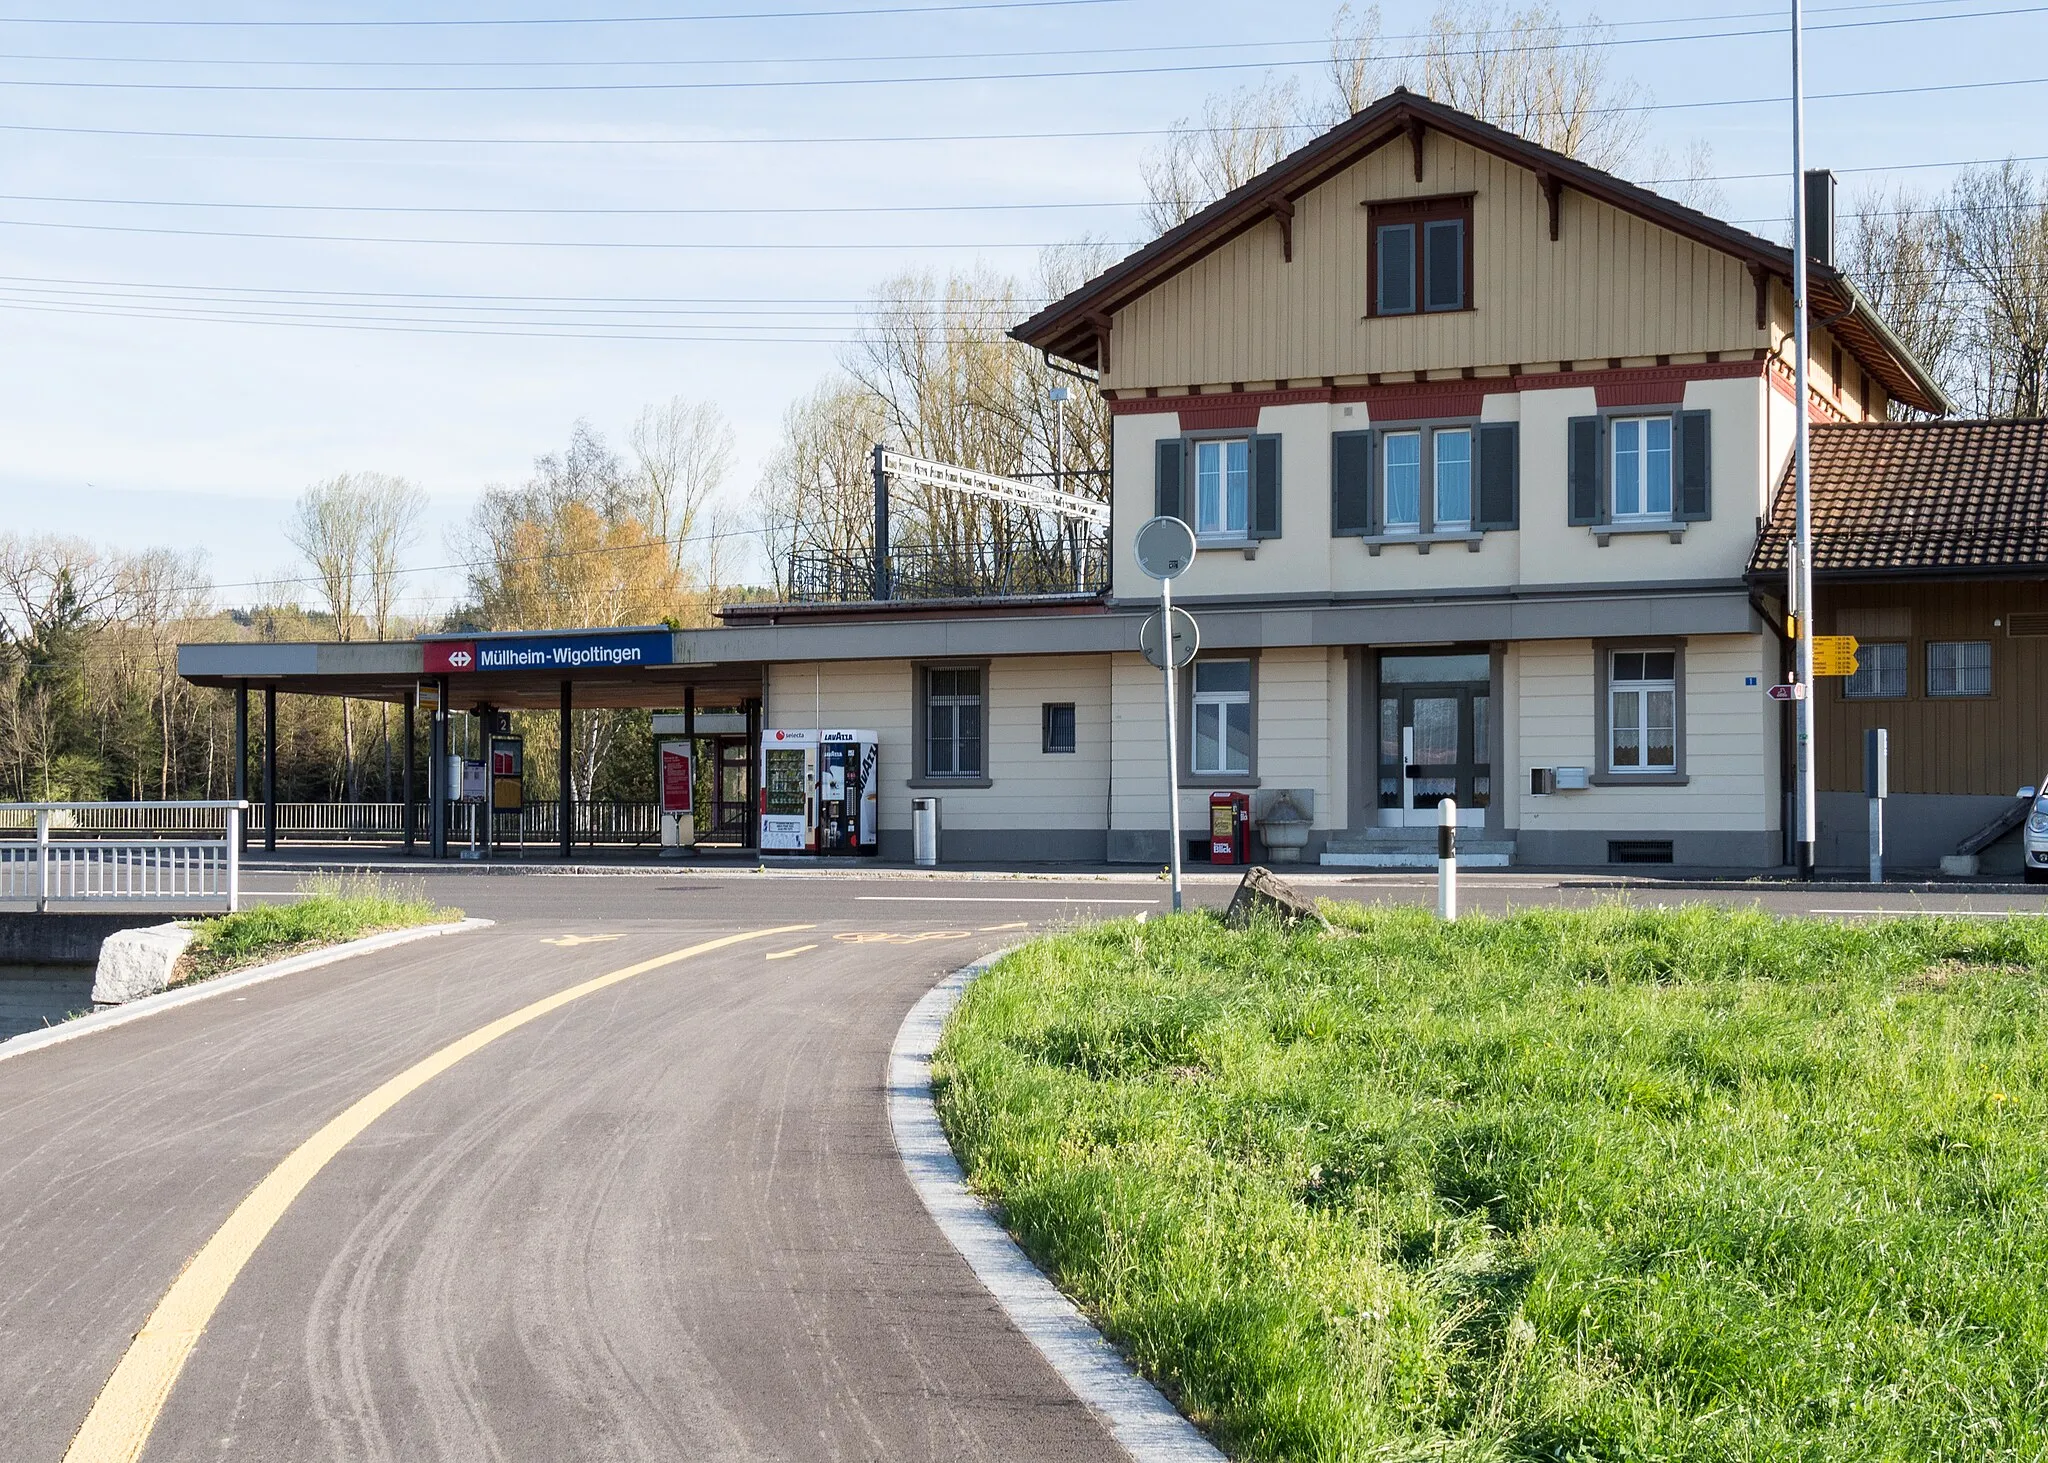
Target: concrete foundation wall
[
  {"x": 1918, "y": 829},
  {"x": 68, "y": 938}
]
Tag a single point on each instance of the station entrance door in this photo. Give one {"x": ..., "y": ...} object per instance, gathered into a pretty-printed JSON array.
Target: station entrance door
[{"x": 1435, "y": 731}]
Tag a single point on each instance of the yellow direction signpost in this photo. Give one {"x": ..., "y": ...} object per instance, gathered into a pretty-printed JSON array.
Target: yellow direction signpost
[{"x": 1834, "y": 655}]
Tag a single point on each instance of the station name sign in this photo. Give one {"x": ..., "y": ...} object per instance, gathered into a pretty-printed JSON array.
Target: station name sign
[{"x": 590, "y": 651}]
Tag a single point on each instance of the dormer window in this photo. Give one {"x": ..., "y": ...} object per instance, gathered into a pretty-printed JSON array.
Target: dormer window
[{"x": 1421, "y": 255}]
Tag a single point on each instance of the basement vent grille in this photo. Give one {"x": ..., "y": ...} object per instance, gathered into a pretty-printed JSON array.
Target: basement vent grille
[
  {"x": 2027, "y": 622},
  {"x": 1639, "y": 850}
]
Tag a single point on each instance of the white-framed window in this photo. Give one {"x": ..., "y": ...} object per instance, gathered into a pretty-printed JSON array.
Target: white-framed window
[
  {"x": 1222, "y": 487},
  {"x": 1958, "y": 668},
  {"x": 1222, "y": 741},
  {"x": 1642, "y": 467},
  {"x": 1452, "y": 447},
  {"x": 1401, "y": 474},
  {"x": 1642, "y": 711},
  {"x": 953, "y": 722},
  {"x": 1880, "y": 672}
]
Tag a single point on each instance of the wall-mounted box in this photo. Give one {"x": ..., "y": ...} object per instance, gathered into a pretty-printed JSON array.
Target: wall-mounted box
[{"x": 1572, "y": 779}]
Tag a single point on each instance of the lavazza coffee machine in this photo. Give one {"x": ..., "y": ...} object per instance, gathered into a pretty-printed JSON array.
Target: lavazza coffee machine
[{"x": 818, "y": 792}]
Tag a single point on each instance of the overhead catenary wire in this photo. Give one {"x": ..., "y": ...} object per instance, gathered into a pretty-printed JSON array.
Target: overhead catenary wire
[
  {"x": 1014, "y": 53},
  {"x": 529, "y": 21},
  {"x": 784, "y": 83}
]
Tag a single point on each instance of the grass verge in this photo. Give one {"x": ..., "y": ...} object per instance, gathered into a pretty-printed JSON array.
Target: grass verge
[
  {"x": 1613, "y": 1184},
  {"x": 328, "y": 911}
]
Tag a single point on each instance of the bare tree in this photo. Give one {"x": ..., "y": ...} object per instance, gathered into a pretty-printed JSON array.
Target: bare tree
[
  {"x": 393, "y": 508},
  {"x": 333, "y": 527},
  {"x": 161, "y": 591},
  {"x": 1996, "y": 239},
  {"x": 1897, "y": 254},
  {"x": 1522, "y": 70},
  {"x": 1241, "y": 134},
  {"x": 683, "y": 453},
  {"x": 816, "y": 496}
]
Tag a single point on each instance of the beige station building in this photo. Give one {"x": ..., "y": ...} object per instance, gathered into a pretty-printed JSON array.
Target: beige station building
[{"x": 1476, "y": 442}]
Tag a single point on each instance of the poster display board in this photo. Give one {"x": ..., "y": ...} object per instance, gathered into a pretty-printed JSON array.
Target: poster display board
[{"x": 508, "y": 774}]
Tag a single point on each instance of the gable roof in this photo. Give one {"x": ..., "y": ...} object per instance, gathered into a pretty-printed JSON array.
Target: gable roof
[
  {"x": 1071, "y": 328},
  {"x": 1919, "y": 498}
]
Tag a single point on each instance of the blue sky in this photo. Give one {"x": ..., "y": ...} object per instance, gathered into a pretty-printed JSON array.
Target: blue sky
[{"x": 131, "y": 428}]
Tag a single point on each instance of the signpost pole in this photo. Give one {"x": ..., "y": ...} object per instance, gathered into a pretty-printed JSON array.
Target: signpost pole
[
  {"x": 1803, "y": 592},
  {"x": 1876, "y": 786},
  {"x": 1172, "y": 749}
]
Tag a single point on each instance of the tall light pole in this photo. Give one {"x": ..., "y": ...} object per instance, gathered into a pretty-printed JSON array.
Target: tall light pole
[{"x": 1800, "y": 570}]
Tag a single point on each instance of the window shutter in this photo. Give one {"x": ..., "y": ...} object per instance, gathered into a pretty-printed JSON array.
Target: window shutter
[
  {"x": 1695, "y": 467},
  {"x": 1500, "y": 473},
  {"x": 1584, "y": 471},
  {"x": 1350, "y": 483},
  {"x": 1265, "y": 505},
  {"x": 1167, "y": 498}
]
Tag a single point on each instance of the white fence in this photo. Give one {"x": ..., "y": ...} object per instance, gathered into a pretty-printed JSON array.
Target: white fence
[
  {"x": 595, "y": 822},
  {"x": 200, "y": 862}
]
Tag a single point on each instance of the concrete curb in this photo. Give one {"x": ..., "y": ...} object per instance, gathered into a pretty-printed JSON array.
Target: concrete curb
[
  {"x": 30, "y": 1041},
  {"x": 1138, "y": 1417}
]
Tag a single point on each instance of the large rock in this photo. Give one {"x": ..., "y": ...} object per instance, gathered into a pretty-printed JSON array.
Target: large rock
[
  {"x": 1259, "y": 891},
  {"x": 137, "y": 963}
]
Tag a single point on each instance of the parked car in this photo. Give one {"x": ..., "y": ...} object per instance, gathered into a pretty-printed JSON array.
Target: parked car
[{"x": 2034, "y": 841}]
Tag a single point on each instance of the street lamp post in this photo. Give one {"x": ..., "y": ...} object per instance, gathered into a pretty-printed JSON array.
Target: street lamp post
[{"x": 1800, "y": 575}]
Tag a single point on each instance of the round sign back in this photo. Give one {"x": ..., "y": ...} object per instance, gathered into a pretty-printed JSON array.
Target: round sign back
[
  {"x": 1186, "y": 638},
  {"x": 1164, "y": 548}
]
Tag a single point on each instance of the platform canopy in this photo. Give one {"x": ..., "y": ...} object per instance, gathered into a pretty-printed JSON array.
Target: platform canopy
[{"x": 640, "y": 667}]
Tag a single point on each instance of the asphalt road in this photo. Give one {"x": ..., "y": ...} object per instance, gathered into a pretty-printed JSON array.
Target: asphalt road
[{"x": 663, "y": 1220}]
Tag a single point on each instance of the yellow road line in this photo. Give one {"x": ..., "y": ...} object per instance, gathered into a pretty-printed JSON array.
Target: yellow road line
[
  {"x": 793, "y": 950},
  {"x": 126, "y": 1411}
]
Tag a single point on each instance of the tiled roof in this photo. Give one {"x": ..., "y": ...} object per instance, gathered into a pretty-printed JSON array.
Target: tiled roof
[{"x": 1918, "y": 496}]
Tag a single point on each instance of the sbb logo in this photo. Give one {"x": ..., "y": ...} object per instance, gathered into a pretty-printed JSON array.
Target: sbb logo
[
  {"x": 449, "y": 655},
  {"x": 459, "y": 659}
]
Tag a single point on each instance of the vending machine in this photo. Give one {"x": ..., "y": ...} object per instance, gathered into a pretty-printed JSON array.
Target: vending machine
[
  {"x": 789, "y": 792},
  {"x": 847, "y": 792},
  {"x": 819, "y": 792}
]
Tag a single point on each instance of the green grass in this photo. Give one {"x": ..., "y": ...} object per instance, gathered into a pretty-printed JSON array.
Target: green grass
[
  {"x": 328, "y": 911},
  {"x": 1613, "y": 1184}
]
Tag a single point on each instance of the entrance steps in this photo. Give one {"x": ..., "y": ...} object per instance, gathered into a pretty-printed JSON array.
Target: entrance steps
[{"x": 1414, "y": 848}]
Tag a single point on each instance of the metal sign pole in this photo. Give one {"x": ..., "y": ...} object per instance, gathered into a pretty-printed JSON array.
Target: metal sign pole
[
  {"x": 1803, "y": 592},
  {"x": 1172, "y": 748}
]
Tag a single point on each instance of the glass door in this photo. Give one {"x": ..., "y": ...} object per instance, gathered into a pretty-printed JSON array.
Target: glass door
[{"x": 1433, "y": 745}]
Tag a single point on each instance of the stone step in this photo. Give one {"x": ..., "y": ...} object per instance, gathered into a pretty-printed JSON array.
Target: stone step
[
  {"x": 1470, "y": 856},
  {"x": 1414, "y": 848}
]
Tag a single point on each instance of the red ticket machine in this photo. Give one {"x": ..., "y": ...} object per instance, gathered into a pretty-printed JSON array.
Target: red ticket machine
[{"x": 1230, "y": 828}]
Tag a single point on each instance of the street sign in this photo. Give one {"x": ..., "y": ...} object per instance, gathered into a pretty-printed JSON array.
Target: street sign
[
  {"x": 1186, "y": 638},
  {"x": 1834, "y": 655},
  {"x": 1164, "y": 548},
  {"x": 1786, "y": 691}
]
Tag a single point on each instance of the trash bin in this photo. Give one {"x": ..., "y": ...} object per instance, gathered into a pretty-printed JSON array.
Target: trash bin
[{"x": 924, "y": 832}]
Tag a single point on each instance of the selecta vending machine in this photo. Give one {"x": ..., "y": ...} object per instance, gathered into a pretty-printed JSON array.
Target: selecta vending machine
[{"x": 819, "y": 792}]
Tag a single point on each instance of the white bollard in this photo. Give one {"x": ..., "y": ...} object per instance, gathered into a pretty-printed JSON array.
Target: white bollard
[{"x": 1447, "y": 859}]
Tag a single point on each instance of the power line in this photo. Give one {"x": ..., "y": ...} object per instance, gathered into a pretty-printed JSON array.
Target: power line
[
  {"x": 571, "y": 63},
  {"x": 574, "y": 212},
  {"x": 879, "y": 139},
  {"x": 780, "y": 246},
  {"x": 865, "y": 300},
  {"x": 479, "y": 22},
  {"x": 1074, "y": 73},
  {"x": 385, "y": 327}
]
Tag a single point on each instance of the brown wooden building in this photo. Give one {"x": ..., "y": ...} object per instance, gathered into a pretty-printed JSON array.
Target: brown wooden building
[{"x": 1931, "y": 548}]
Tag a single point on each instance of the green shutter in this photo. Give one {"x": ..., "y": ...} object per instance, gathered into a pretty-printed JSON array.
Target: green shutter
[
  {"x": 1350, "y": 483},
  {"x": 1168, "y": 501},
  {"x": 1264, "y": 518},
  {"x": 1694, "y": 466},
  {"x": 1500, "y": 471},
  {"x": 1585, "y": 470}
]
